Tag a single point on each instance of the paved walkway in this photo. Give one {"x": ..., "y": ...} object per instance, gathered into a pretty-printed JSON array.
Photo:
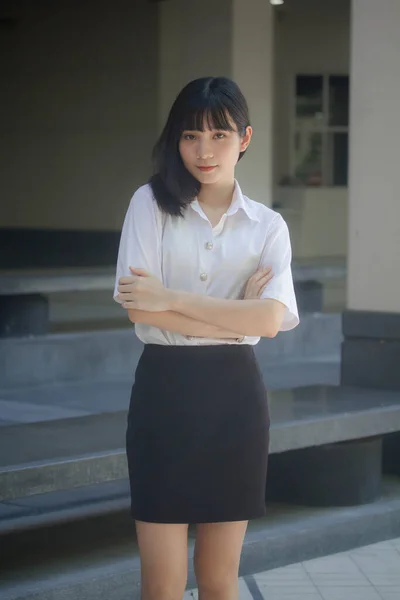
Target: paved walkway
[{"x": 369, "y": 573}]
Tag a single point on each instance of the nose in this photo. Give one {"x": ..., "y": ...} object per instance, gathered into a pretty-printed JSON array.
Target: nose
[{"x": 204, "y": 150}]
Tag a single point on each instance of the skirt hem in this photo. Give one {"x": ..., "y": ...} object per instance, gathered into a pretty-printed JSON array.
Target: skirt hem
[{"x": 199, "y": 521}]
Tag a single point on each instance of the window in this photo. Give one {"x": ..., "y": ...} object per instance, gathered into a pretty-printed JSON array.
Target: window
[{"x": 321, "y": 129}]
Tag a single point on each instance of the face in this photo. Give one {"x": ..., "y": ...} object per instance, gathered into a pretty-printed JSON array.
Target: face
[{"x": 211, "y": 155}]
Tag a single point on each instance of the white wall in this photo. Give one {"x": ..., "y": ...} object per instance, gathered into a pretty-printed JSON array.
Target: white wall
[
  {"x": 374, "y": 215},
  {"x": 195, "y": 41},
  {"x": 252, "y": 69},
  {"x": 317, "y": 219},
  {"x": 79, "y": 116},
  {"x": 311, "y": 36}
]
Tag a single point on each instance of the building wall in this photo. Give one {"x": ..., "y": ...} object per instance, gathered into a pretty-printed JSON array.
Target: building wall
[
  {"x": 252, "y": 68},
  {"x": 189, "y": 49},
  {"x": 374, "y": 215},
  {"x": 317, "y": 220},
  {"x": 234, "y": 39},
  {"x": 88, "y": 87},
  {"x": 79, "y": 116},
  {"x": 310, "y": 37}
]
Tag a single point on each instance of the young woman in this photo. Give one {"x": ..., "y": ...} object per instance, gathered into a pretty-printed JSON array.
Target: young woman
[{"x": 203, "y": 272}]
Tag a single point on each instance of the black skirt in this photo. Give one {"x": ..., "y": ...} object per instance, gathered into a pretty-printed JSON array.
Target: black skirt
[{"x": 197, "y": 436}]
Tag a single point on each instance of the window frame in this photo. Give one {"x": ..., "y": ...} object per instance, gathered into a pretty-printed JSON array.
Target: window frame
[{"x": 323, "y": 127}]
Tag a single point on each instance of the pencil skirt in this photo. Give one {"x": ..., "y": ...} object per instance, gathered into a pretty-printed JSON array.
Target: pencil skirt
[{"x": 197, "y": 435}]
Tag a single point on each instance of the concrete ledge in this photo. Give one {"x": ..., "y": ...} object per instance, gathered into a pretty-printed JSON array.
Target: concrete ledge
[
  {"x": 46, "y": 281},
  {"x": 301, "y": 418},
  {"x": 66, "y": 506},
  {"x": 287, "y": 535},
  {"x": 114, "y": 353},
  {"x": 41, "y": 478},
  {"x": 391, "y": 454},
  {"x": 342, "y": 474},
  {"x": 356, "y": 417}
]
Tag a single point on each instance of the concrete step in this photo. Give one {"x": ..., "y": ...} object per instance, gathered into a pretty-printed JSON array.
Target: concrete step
[
  {"x": 50, "y": 456},
  {"x": 68, "y": 399},
  {"x": 71, "y": 434},
  {"x": 98, "y": 557},
  {"x": 113, "y": 353},
  {"x": 56, "y": 508}
]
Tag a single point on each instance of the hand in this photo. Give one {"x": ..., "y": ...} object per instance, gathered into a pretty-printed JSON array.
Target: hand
[
  {"x": 257, "y": 284},
  {"x": 143, "y": 291}
]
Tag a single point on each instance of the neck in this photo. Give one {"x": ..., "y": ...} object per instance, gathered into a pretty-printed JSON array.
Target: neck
[{"x": 218, "y": 195}]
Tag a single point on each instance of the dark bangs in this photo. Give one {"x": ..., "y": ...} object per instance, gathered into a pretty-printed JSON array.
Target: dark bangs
[
  {"x": 214, "y": 113},
  {"x": 216, "y": 101}
]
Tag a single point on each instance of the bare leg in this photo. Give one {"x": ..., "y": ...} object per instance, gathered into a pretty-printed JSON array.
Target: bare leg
[
  {"x": 216, "y": 559},
  {"x": 163, "y": 552}
]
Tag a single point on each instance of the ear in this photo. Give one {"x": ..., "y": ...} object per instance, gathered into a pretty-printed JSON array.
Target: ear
[{"x": 245, "y": 141}]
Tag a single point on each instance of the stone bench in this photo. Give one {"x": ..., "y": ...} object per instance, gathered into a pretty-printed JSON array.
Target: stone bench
[
  {"x": 24, "y": 305},
  {"x": 325, "y": 448}
]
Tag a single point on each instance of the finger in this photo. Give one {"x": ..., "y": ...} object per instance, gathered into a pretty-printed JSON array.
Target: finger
[
  {"x": 255, "y": 277},
  {"x": 261, "y": 272},
  {"x": 140, "y": 272},
  {"x": 126, "y": 280},
  {"x": 128, "y": 305},
  {"x": 264, "y": 282},
  {"x": 258, "y": 277},
  {"x": 127, "y": 289},
  {"x": 126, "y": 295},
  {"x": 267, "y": 277},
  {"x": 261, "y": 290}
]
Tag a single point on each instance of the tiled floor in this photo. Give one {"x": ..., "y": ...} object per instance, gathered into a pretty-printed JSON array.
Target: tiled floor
[{"x": 368, "y": 573}]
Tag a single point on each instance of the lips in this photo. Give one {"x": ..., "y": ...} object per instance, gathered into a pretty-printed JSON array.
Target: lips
[{"x": 207, "y": 169}]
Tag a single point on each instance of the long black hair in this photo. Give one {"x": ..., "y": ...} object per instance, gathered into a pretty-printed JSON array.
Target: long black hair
[{"x": 217, "y": 99}]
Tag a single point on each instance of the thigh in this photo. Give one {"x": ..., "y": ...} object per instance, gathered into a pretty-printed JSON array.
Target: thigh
[
  {"x": 218, "y": 549},
  {"x": 163, "y": 552}
]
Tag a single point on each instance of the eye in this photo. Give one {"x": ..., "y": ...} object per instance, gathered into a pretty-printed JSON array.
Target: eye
[
  {"x": 220, "y": 136},
  {"x": 189, "y": 136}
]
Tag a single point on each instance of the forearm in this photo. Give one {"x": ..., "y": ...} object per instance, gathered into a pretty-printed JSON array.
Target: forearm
[
  {"x": 179, "y": 323},
  {"x": 247, "y": 317}
]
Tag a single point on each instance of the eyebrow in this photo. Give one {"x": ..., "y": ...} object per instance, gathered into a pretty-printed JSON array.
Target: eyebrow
[{"x": 204, "y": 130}]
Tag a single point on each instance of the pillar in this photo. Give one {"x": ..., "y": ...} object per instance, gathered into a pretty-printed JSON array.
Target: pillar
[
  {"x": 371, "y": 323},
  {"x": 232, "y": 38}
]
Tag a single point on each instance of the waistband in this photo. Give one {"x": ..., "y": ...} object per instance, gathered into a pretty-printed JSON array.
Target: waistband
[{"x": 214, "y": 350}]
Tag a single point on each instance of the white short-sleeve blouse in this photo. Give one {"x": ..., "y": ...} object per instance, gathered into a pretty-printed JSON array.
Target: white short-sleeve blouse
[{"x": 189, "y": 254}]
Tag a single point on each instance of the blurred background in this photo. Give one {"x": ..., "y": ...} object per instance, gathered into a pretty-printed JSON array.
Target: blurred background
[{"x": 86, "y": 88}]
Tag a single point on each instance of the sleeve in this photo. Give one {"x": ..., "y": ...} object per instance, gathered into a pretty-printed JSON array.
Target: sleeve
[
  {"x": 140, "y": 241},
  {"x": 277, "y": 253}
]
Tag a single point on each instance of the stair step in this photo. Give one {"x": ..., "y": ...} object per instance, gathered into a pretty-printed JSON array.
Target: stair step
[
  {"x": 98, "y": 557},
  {"x": 55, "y": 508},
  {"x": 96, "y": 355},
  {"x": 50, "y": 456}
]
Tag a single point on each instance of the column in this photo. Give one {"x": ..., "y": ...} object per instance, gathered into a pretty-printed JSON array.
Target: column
[
  {"x": 371, "y": 323},
  {"x": 252, "y": 69},
  {"x": 232, "y": 38},
  {"x": 194, "y": 41}
]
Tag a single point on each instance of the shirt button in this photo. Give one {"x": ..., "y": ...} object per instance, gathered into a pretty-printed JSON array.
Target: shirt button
[
  {"x": 209, "y": 246},
  {"x": 203, "y": 276}
]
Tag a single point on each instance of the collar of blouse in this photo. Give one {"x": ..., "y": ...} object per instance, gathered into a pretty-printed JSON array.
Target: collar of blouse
[{"x": 239, "y": 202}]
